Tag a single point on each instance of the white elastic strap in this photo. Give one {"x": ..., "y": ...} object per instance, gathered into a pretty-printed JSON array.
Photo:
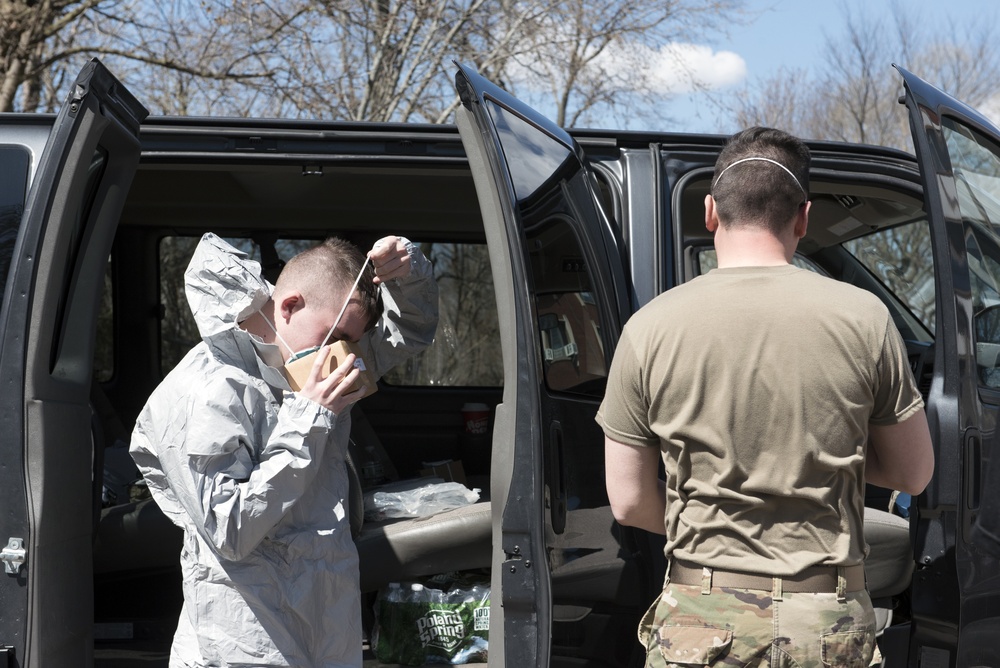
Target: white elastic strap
[
  {"x": 756, "y": 157},
  {"x": 275, "y": 330},
  {"x": 347, "y": 301}
]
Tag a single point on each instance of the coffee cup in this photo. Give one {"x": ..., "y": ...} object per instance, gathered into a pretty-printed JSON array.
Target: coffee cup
[{"x": 476, "y": 418}]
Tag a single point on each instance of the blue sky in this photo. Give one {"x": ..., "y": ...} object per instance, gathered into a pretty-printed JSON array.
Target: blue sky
[{"x": 792, "y": 33}]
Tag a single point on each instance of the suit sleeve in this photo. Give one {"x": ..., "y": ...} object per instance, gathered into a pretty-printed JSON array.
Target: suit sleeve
[
  {"x": 199, "y": 455},
  {"x": 409, "y": 318}
]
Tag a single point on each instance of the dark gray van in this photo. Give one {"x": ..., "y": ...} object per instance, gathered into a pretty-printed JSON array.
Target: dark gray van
[{"x": 544, "y": 242}]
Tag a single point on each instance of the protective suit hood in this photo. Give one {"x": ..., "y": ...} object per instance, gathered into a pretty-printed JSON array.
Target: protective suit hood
[{"x": 224, "y": 287}]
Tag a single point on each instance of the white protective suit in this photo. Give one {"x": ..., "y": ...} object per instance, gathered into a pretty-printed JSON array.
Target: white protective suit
[{"x": 256, "y": 475}]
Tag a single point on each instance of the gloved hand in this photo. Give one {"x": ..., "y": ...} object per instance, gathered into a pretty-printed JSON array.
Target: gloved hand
[{"x": 390, "y": 259}]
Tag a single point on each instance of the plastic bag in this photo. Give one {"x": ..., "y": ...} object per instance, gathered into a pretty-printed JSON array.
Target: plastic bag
[
  {"x": 442, "y": 620},
  {"x": 429, "y": 498}
]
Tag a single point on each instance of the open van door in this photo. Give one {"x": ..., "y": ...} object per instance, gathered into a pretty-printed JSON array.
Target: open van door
[
  {"x": 956, "y": 589},
  {"x": 567, "y": 582},
  {"x": 48, "y": 321}
]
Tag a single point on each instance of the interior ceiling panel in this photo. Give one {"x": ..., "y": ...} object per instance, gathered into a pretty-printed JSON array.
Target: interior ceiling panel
[{"x": 283, "y": 196}]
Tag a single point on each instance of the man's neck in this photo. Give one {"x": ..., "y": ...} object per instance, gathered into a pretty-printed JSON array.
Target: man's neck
[{"x": 751, "y": 247}]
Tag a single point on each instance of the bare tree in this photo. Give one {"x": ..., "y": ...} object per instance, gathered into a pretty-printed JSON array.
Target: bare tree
[
  {"x": 592, "y": 55},
  {"x": 365, "y": 59},
  {"x": 182, "y": 50},
  {"x": 25, "y": 28},
  {"x": 855, "y": 96}
]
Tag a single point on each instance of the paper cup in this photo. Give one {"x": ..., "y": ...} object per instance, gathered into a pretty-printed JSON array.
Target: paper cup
[{"x": 476, "y": 418}]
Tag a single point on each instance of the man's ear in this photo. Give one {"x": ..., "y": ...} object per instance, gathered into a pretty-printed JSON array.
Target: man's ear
[
  {"x": 711, "y": 215},
  {"x": 802, "y": 221},
  {"x": 289, "y": 304}
]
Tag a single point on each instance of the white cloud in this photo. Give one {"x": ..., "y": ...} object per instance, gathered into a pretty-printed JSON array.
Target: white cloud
[{"x": 678, "y": 67}]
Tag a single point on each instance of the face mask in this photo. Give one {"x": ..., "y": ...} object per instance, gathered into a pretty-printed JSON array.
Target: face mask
[
  {"x": 301, "y": 353},
  {"x": 294, "y": 356}
]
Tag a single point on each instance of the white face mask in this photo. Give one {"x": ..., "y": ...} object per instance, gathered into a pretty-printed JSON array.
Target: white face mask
[
  {"x": 295, "y": 355},
  {"x": 308, "y": 351}
]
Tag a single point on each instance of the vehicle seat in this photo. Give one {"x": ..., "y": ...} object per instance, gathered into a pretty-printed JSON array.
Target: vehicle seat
[
  {"x": 136, "y": 536},
  {"x": 889, "y": 565},
  {"x": 399, "y": 549},
  {"x": 402, "y": 549}
]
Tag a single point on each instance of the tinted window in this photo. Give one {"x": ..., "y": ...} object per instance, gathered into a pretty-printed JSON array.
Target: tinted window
[
  {"x": 902, "y": 260},
  {"x": 466, "y": 349},
  {"x": 543, "y": 174},
  {"x": 975, "y": 163},
  {"x": 532, "y": 156},
  {"x": 569, "y": 321},
  {"x": 14, "y": 164}
]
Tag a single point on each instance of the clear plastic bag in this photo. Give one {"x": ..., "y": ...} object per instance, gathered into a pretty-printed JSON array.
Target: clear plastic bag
[{"x": 428, "y": 498}]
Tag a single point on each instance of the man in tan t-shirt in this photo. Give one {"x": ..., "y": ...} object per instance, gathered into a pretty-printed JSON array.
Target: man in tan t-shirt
[{"x": 772, "y": 394}]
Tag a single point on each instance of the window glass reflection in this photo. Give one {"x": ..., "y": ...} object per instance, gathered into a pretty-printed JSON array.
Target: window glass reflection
[
  {"x": 975, "y": 163},
  {"x": 14, "y": 164},
  {"x": 532, "y": 156}
]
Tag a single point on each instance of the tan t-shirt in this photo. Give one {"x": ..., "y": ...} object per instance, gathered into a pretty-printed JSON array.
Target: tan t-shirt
[{"x": 758, "y": 385}]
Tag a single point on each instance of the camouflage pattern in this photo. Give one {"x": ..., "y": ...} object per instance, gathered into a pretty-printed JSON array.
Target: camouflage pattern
[{"x": 742, "y": 627}]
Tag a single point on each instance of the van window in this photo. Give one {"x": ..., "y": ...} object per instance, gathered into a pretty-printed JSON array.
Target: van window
[
  {"x": 975, "y": 162},
  {"x": 569, "y": 321},
  {"x": 14, "y": 164},
  {"x": 902, "y": 260},
  {"x": 466, "y": 349}
]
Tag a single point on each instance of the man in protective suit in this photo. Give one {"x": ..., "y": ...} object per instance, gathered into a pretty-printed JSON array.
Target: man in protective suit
[{"x": 254, "y": 473}]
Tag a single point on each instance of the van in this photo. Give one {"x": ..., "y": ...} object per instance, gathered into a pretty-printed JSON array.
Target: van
[{"x": 544, "y": 242}]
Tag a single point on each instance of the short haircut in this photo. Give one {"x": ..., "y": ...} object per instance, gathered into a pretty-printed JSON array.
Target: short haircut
[
  {"x": 756, "y": 192},
  {"x": 326, "y": 271}
]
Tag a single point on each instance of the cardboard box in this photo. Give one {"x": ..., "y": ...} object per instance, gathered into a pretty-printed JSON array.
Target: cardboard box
[
  {"x": 297, "y": 372},
  {"x": 449, "y": 470}
]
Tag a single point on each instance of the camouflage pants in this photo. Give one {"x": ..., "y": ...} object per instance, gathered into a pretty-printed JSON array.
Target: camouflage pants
[{"x": 742, "y": 627}]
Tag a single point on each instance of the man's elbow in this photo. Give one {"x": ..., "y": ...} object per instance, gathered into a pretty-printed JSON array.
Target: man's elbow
[
  {"x": 626, "y": 517},
  {"x": 903, "y": 454},
  {"x": 918, "y": 479},
  {"x": 624, "y": 510}
]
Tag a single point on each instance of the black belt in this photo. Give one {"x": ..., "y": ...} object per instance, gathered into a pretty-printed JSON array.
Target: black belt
[{"x": 816, "y": 580}]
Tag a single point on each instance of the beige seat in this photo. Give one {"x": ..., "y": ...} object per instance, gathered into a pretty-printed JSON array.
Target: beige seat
[
  {"x": 889, "y": 565},
  {"x": 401, "y": 549},
  {"x": 394, "y": 550}
]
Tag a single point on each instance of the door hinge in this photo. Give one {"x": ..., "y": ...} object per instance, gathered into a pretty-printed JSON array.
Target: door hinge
[{"x": 13, "y": 556}]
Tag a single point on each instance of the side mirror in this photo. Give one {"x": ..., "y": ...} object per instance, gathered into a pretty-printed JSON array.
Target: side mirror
[{"x": 987, "y": 327}]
